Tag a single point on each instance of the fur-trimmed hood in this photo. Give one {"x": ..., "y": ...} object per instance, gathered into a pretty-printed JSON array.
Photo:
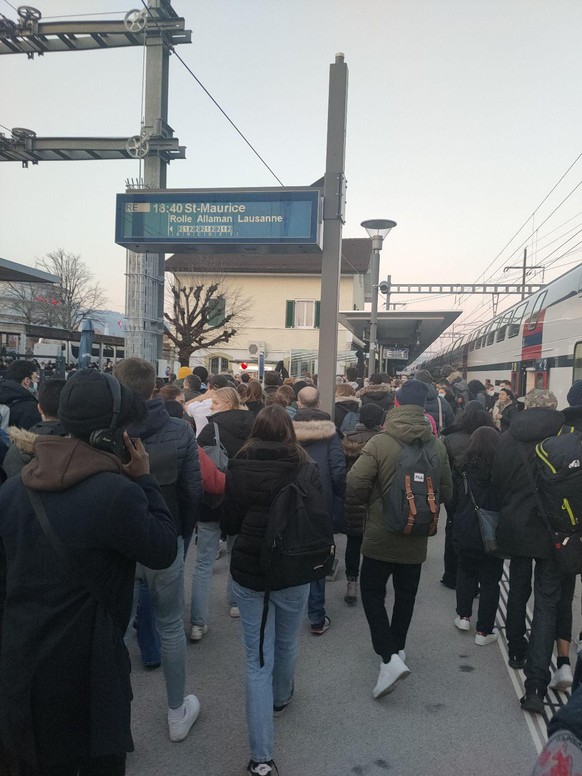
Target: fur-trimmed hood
[
  {"x": 352, "y": 403},
  {"x": 310, "y": 431},
  {"x": 21, "y": 450},
  {"x": 22, "y": 439},
  {"x": 380, "y": 388}
]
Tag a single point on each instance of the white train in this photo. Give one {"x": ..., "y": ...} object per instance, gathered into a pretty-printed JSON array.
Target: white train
[{"x": 537, "y": 343}]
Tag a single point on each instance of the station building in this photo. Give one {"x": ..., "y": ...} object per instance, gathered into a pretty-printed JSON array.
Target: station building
[{"x": 283, "y": 308}]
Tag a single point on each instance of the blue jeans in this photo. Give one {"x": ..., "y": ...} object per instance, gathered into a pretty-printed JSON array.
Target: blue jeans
[
  {"x": 316, "y": 605},
  {"x": 207, "y": 548},
  {"x": 273, "y": 683},
  {"x": 166, "y": 589},
  {"x": 147, "y": 635}
]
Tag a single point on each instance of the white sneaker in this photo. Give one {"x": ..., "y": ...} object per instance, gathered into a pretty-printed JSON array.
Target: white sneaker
[
  {"x": 463, "y": 623},
  {"x": 197, "y": 631},
  {"x": 390, "y": 674},
  {"x": 402, "y": 655},
  {"x": 234, "y": 611},
  {"x": 180, "y": 728},
  {"x": 482, "y": 639},
  {"x": 562, "y": 678}
]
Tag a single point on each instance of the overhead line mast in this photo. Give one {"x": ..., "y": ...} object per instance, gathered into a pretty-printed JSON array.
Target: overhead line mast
[{"x": 159, "y": 28}]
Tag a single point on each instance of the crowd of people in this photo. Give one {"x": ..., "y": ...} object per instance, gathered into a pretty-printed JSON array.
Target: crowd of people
[{"x": 111, "y": 475}]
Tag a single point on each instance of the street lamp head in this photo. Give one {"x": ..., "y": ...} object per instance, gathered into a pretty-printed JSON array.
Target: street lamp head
[{"x": 378, "y": 227}]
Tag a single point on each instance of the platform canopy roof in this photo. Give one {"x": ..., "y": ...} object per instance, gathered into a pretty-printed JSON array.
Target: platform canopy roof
[
  {"x": 11, "y": 272},
  {"x": 415, "y": 330}
]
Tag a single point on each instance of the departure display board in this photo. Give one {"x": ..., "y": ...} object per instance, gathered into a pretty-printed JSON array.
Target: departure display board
[{"x": 172, "y": 220}]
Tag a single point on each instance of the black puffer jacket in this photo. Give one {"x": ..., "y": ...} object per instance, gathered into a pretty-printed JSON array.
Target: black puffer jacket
[
  {"x": 234, "y": 428},
  {"x": 378, "y": 394},
  {"x": 21, "y": 403},
  {"x": 456, "y": 443},
  {"x": 573, "y": 417},
  {"x": 171, "y": 446},
  {"x": 521, "y": 530},
  {"x": 252, "y": 482},
  {"x": 342, "y": 407},
  {"x": 466, "y": 532},
  {"x": 507, "y": 414},
  {"x": 431, "y": 405}
]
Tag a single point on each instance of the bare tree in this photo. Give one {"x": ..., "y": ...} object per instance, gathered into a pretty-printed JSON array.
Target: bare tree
[
  {"x": 63, "y": 304},
  {"x": 206, "y": 311}
]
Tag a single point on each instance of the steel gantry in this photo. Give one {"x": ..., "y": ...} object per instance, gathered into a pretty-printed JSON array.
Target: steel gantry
[{"x": 159, "y": 29}]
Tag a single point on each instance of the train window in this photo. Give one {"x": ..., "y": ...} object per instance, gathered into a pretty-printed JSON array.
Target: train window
[
  {"x": 502, "y": 328},
  {"x": 515, "y": 325},
  {"x": 491, "y": 333},
  {"x": 478, "y": 339},
  {"x": 535, "y": 313},
  {"x": 577, "y": 362},
  {"x": 472, "y": 345}
]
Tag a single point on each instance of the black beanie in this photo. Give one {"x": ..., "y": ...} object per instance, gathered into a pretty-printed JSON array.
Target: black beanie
[
  {"x": 86, "y": 403},
  {"x": 575, "y": 394},
  {"x": 423, "y": 375},
  {"x": 372, "y": 414},
  {"x": 412, "y": 392}
]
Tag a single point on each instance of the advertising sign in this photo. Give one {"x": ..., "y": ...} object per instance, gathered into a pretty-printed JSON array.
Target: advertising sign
[{"x": 174, "y": 220}]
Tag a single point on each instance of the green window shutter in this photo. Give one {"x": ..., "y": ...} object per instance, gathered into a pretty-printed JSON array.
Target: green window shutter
[
  {"x": 216, "y": 311},
  {"x": 317, "y": 314},
  {"x": 289, "y": 314}
]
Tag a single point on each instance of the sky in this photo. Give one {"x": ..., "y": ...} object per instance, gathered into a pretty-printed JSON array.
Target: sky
[{"x": 462, "y": 116}]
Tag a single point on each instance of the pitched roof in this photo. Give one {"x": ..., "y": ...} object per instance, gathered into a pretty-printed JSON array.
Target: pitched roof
[{"x": 355, "y": 261}]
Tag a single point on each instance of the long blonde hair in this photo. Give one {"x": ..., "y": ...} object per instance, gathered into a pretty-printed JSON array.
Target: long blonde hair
[{"x": 227, "y": 396}]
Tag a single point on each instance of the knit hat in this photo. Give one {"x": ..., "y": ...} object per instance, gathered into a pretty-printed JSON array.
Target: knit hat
[
  {"x": 412, "y": 392},
  {"x": 539, "y": 397},
  {"x": 183, "y": 371},
  {"x": 574, "y": 396},
  {"x": 372, "y": 414},
  {"x": 423, "y": 375},
  {"x": 86, "y": 403}
]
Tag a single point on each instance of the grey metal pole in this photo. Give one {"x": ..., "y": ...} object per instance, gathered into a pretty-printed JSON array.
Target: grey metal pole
[
  {"x": 375, "y": 278},
  {"x": 146, "y": 271},
  {"x": 333, "y": 218},
  {"x": 524, "y": 274},
  {"x": 389, "y": 283}
]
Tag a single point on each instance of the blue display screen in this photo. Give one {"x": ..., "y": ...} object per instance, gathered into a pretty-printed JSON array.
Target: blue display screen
[{"x": 171, "y": 218}]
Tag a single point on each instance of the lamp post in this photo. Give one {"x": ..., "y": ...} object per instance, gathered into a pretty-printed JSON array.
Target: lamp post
[{"x": 377, "y": 229}]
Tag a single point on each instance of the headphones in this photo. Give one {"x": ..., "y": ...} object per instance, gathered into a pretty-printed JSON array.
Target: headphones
[{"x": 110, "y": 440}]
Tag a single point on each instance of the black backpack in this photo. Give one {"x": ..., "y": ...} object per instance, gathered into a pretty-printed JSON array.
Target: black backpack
[
  {"x": 559, "y": 481},
  {"x": 298, "y": 546},
  {"x": 411, "y": 503}
]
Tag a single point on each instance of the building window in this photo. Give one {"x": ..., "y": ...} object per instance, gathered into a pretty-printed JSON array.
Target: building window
[
  {"x": 302, "y": 314},
  {"x": 217, "y": 365}
]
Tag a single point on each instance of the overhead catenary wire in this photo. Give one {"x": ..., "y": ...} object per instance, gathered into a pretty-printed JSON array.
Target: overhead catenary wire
[
  {"x": 216, "y": 103},
  {"x": 554, "y": 187}
]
